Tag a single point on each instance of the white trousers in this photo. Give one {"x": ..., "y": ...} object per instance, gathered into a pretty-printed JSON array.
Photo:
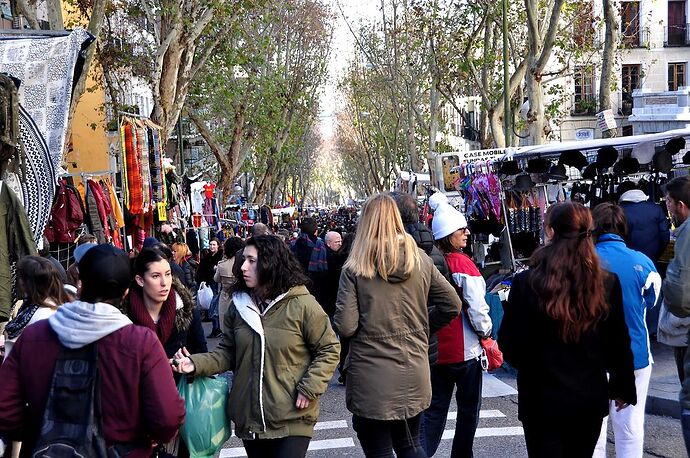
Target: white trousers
[{"x": 628, "y": 424}]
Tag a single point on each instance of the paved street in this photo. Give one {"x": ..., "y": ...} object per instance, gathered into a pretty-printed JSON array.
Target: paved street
[{"x": 499, "y": 434}]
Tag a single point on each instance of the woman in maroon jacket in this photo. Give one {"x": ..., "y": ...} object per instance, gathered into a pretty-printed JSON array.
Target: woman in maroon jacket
[{"x": 139, "y": 400}]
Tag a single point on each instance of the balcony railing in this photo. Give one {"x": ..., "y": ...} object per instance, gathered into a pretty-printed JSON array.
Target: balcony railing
[
  {"x": 677, "y": 35},
  {"x": 638, "y": 39},
  {"x": 583, "y": 106}
]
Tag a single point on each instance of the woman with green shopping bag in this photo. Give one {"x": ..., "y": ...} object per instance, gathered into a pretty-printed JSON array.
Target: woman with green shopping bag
[{"x": 281, "y": 348}]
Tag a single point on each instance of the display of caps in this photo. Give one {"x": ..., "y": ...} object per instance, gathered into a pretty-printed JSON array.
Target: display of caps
[
  {"x": 573, "y": 158},
  {"x": 509, "y": 168},
  {"x": 675, "y": 144},
  {"x": 643, "y": 152},
  {"x": 628, "y": 165},
  {"x": 538, "y": 165},
  {"x": 606, "y": 157},
  {"x": 590, "y": 171},
  {"x": 557, "y": 173},
  {"x": 663, "y": 161},
  {"x": 523, "y": 182}
]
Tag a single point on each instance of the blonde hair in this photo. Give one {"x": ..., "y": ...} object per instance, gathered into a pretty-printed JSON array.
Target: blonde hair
[
  {"x": 380, "y": 237},
  {"x": 180, "y": 251}
]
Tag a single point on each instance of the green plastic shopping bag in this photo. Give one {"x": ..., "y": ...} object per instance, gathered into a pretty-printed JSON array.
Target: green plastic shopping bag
[{"x": 205, "y": 427}]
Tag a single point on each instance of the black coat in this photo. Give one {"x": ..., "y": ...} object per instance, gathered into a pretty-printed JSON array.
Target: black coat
[
  {"x": 424, "y": 238},
  {"x": 557, "y": 379},
  {"x": 206, "y": 269},
  {"x": 332, "y": 281},
  {"x": 189, "y": 276}
]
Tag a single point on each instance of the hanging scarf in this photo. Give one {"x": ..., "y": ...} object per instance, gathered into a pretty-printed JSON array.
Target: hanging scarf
[
  {"x": 140, "y": 315},
  {"x": 319, "y": 257},
  {"x": 16, "y": 326}
]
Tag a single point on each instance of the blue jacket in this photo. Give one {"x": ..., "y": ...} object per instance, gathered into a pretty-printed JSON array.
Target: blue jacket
[
  {"x": 648, "y": 227},
  {"x": 640, "y": 284}
]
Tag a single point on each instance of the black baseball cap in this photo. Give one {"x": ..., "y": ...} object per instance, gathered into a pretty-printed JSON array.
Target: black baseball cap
[{"x": 105, "y": 273}]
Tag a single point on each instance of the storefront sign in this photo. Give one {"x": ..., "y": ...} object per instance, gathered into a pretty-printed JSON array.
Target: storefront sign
[
  {"x": 605, "y": 120},
  {"x": 450, "y": 161},
  {"x": 584, "y": 134}
]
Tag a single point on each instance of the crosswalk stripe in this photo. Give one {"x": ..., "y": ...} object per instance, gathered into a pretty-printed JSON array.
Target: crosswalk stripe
[
  {"x": 489, "y": 432},
  {"x": 330, "y": 425},
  {"x": 313, "y": 445},
  {"x": 482, "y": 414}
]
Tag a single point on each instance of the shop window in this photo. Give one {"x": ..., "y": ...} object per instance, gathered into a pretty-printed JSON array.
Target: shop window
[
  {"x": 676, "y": 76},
  {"x": 584, "y": 100},
  {"x": 630, "y": 24},
  {"x": 630, "y": 76}
]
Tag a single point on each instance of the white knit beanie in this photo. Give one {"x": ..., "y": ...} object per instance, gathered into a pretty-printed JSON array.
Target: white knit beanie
[{"x": 446, "y": 218}]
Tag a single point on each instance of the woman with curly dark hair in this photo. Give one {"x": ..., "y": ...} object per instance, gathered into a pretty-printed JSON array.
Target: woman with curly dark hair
[
  {"x": 279, "y": 345},
  {"x": 563, "y": 330}
]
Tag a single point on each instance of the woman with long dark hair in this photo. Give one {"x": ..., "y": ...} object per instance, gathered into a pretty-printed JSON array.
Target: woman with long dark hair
[
  {"x": 281, "y": 348},
  {"x": 41, "y": 287},
  {"x": 160, "y": 302},
  {"x": 385, "y": 286},
  {"x": 564, "y": 330}
]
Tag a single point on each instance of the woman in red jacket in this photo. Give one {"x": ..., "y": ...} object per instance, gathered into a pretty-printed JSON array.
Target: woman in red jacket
[{"x": 459, "y": 351}]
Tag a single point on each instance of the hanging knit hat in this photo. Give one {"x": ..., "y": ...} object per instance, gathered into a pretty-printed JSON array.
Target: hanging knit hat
[{"x": 446, "y": 218}]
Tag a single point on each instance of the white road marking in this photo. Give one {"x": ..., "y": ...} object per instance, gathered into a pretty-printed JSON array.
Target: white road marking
[
  {"x": 492, "y": 387},
  {"x": 489, "y": 432},
  {"x": 482, "y": 414},
  {"x": 330, "y": 425},
  {"x": 314, "y": 445}
]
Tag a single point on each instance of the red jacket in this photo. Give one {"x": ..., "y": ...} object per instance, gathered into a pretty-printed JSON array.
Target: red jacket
[
  {"x": 459, "y": 341},
  {"x": 139, "y": 399},
  {"x": 66, "y": 215}
]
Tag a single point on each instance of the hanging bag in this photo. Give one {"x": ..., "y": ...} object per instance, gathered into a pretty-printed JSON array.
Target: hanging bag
[
  {"x": 206, "y": 427},
  {"x": 204, "y": 296}
]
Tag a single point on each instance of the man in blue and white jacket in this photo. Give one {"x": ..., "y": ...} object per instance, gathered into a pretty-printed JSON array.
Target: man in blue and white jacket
[{"x": 641, "y": 285}]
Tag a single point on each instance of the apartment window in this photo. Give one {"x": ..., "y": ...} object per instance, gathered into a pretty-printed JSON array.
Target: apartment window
[
  {"x": 676, "y": 30},
  {"x": 585, "y": 102},
  {"x": 630, "y": 76},
  {"x": 583, "y": 31},
  {"x": 630, "y": 24},
  {"x": 676, "y": 76}
]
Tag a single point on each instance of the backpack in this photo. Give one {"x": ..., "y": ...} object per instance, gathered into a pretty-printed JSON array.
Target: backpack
[{"x": 71, "y": 425}]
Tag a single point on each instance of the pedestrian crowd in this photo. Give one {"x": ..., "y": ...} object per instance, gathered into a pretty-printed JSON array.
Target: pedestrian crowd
[{"x": 94, "y": 356}]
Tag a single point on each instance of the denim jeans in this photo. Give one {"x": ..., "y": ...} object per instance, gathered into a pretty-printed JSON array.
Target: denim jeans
[
  {"x": 213, "y": 308},
  {"x": 685, "y": 423},
  {"x": 467, "y": 377},
  {"x": 379, "y": 438}
]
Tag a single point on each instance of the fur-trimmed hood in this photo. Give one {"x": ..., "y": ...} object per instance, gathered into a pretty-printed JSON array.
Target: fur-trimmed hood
[{"x": 185, "y": 306}]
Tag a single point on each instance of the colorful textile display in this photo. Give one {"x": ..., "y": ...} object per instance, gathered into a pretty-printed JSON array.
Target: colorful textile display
[{"x": 134, "y": 199}]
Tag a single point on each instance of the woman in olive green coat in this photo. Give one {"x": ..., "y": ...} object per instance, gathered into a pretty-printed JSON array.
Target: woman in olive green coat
[
  {"x": 281, "y": 348},
  {"x": 385, "y": 286}
]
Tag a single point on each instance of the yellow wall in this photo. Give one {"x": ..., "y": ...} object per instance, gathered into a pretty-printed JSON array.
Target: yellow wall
[{"x": 89, "y": 150}]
